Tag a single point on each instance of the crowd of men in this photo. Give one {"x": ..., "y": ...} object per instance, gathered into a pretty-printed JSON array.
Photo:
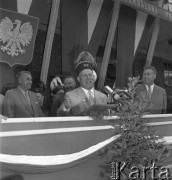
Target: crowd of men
[{"x": 70, "y": 100}]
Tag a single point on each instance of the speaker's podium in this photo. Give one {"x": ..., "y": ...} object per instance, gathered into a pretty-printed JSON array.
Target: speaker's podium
[{"x": 61, "y": 148}]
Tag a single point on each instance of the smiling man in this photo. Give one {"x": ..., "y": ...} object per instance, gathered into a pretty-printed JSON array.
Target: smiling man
[
  {"x": 69, "y": 83},
  {"x": 83, "y": 97},
  {"x": 21, "y": 102},
  {"x": 157, "y": 98}
]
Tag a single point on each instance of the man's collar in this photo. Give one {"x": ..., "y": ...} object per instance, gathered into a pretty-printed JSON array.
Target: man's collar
[
  {"x": 152, "y": 86},
  {"x": 86, "y": 90},
  {"x": 22, "y": 90}
]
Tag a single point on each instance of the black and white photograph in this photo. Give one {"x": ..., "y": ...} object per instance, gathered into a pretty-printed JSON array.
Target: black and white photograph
[{"x": 85, "y": 89}]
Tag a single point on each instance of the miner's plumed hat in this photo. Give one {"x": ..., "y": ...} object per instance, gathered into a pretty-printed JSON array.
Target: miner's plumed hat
[
  {"x": 84, "y": 61},
  {"x": 81, "y": 66},
  {"x": 86, "y": 56}
]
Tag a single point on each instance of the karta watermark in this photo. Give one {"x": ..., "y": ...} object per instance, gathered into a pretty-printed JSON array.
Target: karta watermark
[{"x": 139, "y": 172}]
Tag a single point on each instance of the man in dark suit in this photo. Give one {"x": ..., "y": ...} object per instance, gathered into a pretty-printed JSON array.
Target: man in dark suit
[
  {"x": 155, "y": 95},
  {"x": 80, "y": 99},
  {"x": 20, "y": 102}
]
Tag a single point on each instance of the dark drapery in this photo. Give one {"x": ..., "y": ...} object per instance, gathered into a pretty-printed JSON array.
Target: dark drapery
[
  {"x": 8, "y": 4},
  {"x": 101, "y": 27},
  {"x": 40, "y": 9},
  {"x": 74, "y": 31},
  {"x": 146, "y": 36},
  {"x": 125, "y": 45}
]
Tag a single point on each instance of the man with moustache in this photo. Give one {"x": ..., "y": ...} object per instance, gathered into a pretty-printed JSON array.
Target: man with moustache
[
  {"x": 155, "y": 95},
  {"x": 80, "y": 99},
  {"x": 20, "y": 102}
]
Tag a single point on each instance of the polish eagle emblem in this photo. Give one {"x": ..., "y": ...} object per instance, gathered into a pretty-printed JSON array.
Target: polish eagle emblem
[{"x": 14, "y": 36}]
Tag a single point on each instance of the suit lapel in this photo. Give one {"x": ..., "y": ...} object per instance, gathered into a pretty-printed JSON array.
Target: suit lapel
[
  {"x": 33, "y": 103},
  {"x": 154, "y": 93},
  {"x": 145, "y": 90},
  {"x": 22, "y": 98},
  {"x": 97, "y": 98}
]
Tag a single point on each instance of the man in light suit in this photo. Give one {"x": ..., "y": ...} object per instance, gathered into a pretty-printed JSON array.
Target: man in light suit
[
  {"x": 80, "y": 99},
  {"x": 20, "y": 102},
  {"x": 156, "y": 96}
]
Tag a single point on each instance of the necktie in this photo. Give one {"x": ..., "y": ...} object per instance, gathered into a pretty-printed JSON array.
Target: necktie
[
  {"x": 90, "y": 98},
  {"x": 149, "y": 92},
  {"x": 27, "y": 98}
]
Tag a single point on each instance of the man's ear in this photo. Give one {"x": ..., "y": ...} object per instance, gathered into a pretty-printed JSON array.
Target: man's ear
[
  {"x": 78, "y": 79},
  {"x": 19, "y": 80},
  {"x": 155, "y": 76}
]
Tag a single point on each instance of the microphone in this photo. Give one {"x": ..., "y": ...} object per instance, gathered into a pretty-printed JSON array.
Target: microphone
[
  {"x": 118, "y": 94},
  {"x": 123, "y": 93},
  {"x": 114, "y": 95}
]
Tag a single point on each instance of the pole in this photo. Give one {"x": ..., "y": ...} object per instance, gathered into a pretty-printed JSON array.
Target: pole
[
  {"x": 153, "y": 42},
  {"x": 108, "y": 46},
  {"x": 49, "y": 40}
]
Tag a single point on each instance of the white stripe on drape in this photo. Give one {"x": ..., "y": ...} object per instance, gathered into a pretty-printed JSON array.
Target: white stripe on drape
[
  {"x": 52, "y": 131},
  {"x": 93, "y": 14},
  {"x": 23, "y": 6},
  {"x": 55, "y": 159},
  {"x": 140, "y": 24}
]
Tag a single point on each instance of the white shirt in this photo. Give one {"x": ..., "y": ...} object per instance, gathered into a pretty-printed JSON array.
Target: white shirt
[
  {"x": 151, "y": 87},
  {"x": 86, "y": 92}
]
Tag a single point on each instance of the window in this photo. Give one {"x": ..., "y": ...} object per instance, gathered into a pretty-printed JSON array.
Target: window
[
  {"x": 168, "y": 5},
  {"x": 168, "y": 74}
]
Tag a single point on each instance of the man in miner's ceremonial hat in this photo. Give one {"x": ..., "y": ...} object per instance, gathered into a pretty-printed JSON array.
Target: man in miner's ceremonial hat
[{"x": 83, "y": 97}]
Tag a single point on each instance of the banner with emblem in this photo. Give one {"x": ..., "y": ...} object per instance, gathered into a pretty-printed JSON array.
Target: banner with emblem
[{"x": 17, "y": 37}]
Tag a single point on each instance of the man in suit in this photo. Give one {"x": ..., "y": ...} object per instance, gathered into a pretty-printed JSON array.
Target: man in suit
[
  {"x": 20, "y": 102},
  {"x": 155, "y": 95},
  {"x": 80, "y": 99}
]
